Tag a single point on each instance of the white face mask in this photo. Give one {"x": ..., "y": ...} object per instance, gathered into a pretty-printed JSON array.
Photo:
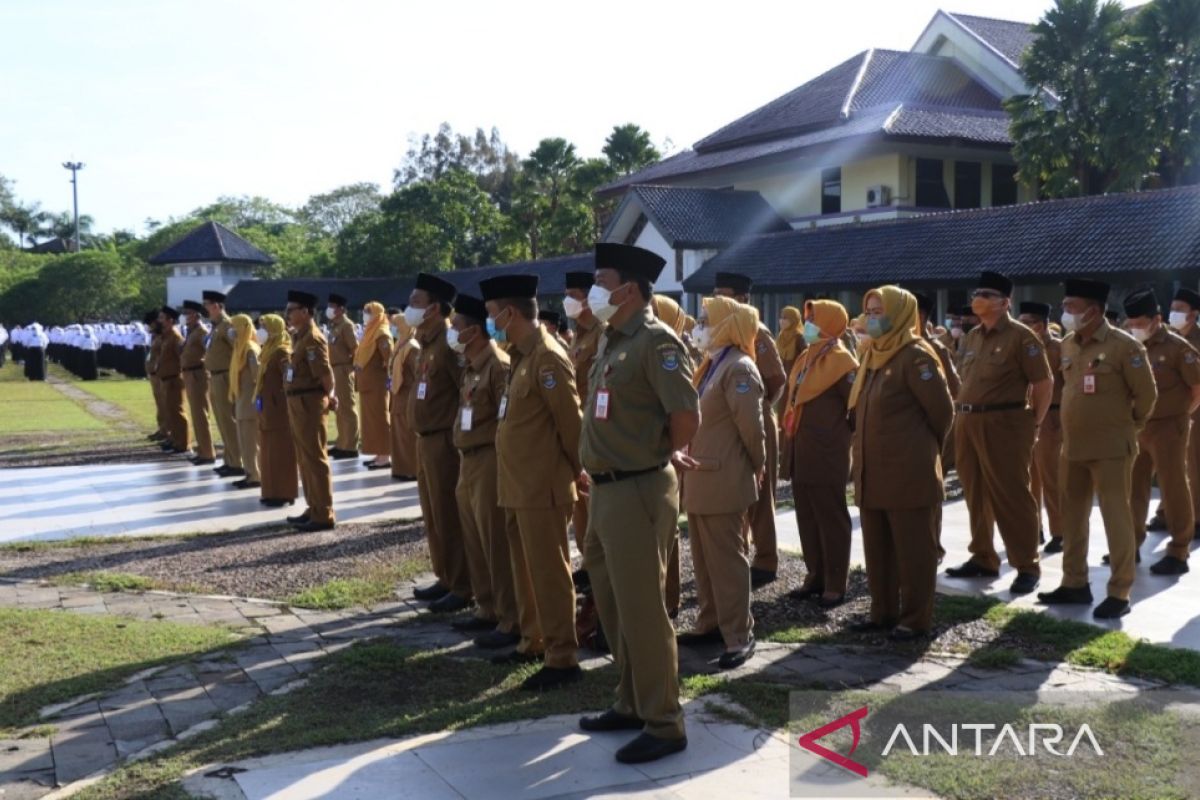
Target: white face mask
[
  {"x": 414, "y": 316},
  {"x": 1178, "y": 320},
  {"x": 367, "y": 318},
  {"x": 262, "y": 336},
  {"x": 702, "y": 338},
  {"x": 232, "y": 334},
  {"x": 452, "y": 340},
  {"x": 328, "y": 312},
  {"x": 598, "y": 301},
  {"x": 1071, "y": 322},
  {"x": 572, "y": 307},
  {"x": 1141, "y": 334},
  {"x": 955, "y": 333}
]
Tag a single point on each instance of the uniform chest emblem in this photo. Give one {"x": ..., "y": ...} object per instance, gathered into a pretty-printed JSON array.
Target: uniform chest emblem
[
  {"x": 1136, "y": 362},
  {"x": 887, "y": 372},
  {"x": 621, "y": 356},
  {"x": 1065, "y": 362},
  {"x": 522, "y": 372},
  {"x": 548, "y": 379},
  {"x": 996, "y": 350}
]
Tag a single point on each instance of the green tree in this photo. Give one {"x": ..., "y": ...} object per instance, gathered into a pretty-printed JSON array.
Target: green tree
[
  {"x": 62, "y": 226},
  {"x": 86, "y": 286},
  {"x": 1168, "y": 32},
  {"x": 330, "y": 212},
  {"x": 552, "y": 218},
  {"x": 484, "y": 155},
  {"x": 26, "y": 221},
  {"x": 628, "y": 148}
]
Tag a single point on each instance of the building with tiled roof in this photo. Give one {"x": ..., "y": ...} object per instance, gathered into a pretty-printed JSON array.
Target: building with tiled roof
[{"x": 208, "y": 257}]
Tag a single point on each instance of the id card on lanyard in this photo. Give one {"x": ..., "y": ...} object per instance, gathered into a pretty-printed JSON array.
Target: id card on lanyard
[{"x": 423, "y": 386}]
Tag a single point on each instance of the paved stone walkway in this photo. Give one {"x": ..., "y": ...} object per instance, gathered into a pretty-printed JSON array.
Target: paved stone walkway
[{"x": 156, "y": 708}]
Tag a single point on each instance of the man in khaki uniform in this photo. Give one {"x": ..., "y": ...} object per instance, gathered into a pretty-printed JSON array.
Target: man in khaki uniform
[
  {"x": 588, "y": 330},
  {"x": 1162, "y": 444},
  {"x": 552, "y": 322},
  {"x": 1185, "y": 309},
  {"x": 433, "y": 408},
  {"x": 172, "y": 383},
  {"x": 537, "y": 444},
  {"x": 308, "y": 382},
  {"x": 484, "y": 522},
  {"x": 1108, "y": 394},
  {"x": 342, "y": 344},
  {"x": 761, "y": 521},
  {"x": 218, "y": 355},
  {"x": 195, "y": 383},
  {"x": 152, "y": 355},
  {"x": 1048, "y": 447},
  {"x": 1003, "y": 363},
  {"x": 641, "y": 410}
]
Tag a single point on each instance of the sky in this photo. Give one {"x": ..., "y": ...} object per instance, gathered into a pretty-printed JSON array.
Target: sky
[{"x": 171, "y": 105}]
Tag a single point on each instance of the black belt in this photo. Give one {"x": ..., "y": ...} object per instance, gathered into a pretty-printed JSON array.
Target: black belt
[
  {"x": 193, "y": 369},
  {"x": 600, "y": 478},
  {"x": 168, "y": 377},
  {"x": 431, "y": 433},
  {"x": 298, "y": 392},
  {"x": 968, "y": 408},
  {"x": 1055, "y": 407},
  {"x": 466, "y": 451},
  {"x": 219, "y": 372}
]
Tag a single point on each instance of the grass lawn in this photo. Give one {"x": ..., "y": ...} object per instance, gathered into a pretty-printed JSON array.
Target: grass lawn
[
  {"x": 371, "y": 587},
  {"x": 131, "y": 396},
  {"x": 33, "y": 406},
  {"x": 49, "y": 657}
]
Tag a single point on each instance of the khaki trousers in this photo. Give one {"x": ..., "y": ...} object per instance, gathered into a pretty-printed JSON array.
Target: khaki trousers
[
  {"x": 346, "y": 414},
  {"x": 545, "y": 592},
  {"x": 404, "y": 441},
  {"x": 306, "y": 416},
  {"x": 437, "y": 477},
  {"x": 1109, "y": 479},
  {"x": 579, "y": 521},
  {"x": 248, "y": 443},
  {"x": 628, "y": 542},
  {"x": 222, "y": 408},
  {"x": 195, "y": 385},
  {"x": 160, "y": 416},
  {"x": 824, "y": 524},
  {"x": 1044, "y": 474},
  {"x": 1193, "y": 459},
  {"x": 994, "y": 452},
  {"x": 761, "y": 520},
  {"x": 177, "y": 424},
  {"x": 901, "y": 551},
  {"x": 721, "y": 564},
  {"x": 1162, "y": 451},
  {"x": 485, "y": 541}
]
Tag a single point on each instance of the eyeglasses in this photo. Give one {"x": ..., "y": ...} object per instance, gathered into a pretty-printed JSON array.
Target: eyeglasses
[{"x": 987, "y": 294}]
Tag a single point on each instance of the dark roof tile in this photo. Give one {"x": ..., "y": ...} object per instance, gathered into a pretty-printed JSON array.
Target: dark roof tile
[
  {"x": 212, "y": 241},
  {"x": 707, "y": 218},
  {"x": 1010, "y": 39}
]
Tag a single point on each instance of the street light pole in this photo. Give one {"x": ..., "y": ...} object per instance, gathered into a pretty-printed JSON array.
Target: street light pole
[{"x": 75, "y": 166}]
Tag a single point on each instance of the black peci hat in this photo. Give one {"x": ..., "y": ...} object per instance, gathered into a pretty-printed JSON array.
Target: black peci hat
[
  {"x": 305, "y": 299},
  {"x": 924, "y": 303},
  {"x": 1088, "y": 290},
  {"x": 192, "y": 305},
  {"x": 738, "y": 284},
  {"x": 580, "y": 280},
  {"x": 1141, "y": 303},
  {"x": 504, "y": 287},
  {"x": 1040, "y": 310},
  {"x": 553, "y": 317},
  {"x": 440, "y": 290},
  {"x": 996, "y": 282},
  {"x": 1189, "y": 296},
  {"x": 627, "y": 258},
  {"x": 150, "y": 316},
  {"x": 170, "y": 312},
  {"x": 471, "y": 307},
  {"x": 213, "y": 297},
  {"x": 1112, "y": 315},
  {"x": 337, "y": 299}
]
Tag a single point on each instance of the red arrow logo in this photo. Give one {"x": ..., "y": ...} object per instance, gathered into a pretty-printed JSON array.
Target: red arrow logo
[{"x": 809, "y": 741}]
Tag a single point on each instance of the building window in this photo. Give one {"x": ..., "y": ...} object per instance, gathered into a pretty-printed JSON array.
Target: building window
[
  {"x": 1004, "y": 184},
  {"x": 831, "y": 191},
  {"x": 639, "y": 225},
  {"x": 968, "y": 184},
  {"x": 931, "y": 186}
]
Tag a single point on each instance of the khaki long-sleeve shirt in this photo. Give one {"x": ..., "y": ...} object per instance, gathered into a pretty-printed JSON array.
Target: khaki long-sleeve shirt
[{"x": 483, "y": 385}]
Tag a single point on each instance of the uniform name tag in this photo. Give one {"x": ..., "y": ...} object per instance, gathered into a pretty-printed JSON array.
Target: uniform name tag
[
  {"x": 289, "y": 373},
  {"x": 468, "y": 415},
  {"x": 421, "y": 390},
  {"x": 602, "y": 404},
  {"x": 1089, "y": 384},
  {"x": 258, "y": 404},
  {"x": 503, "y": 410}
]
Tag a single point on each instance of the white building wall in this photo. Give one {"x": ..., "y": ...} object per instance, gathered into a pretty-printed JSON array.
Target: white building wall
[{"x": 189, "y": 281}]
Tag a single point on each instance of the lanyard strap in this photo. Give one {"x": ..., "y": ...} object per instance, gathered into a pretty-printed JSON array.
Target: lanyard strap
[
  {"x": 712, "y": 370},
  {"x": 808, "y": 365}
]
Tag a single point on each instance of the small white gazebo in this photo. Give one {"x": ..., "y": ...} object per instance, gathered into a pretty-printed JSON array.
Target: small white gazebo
[{"x": 210, "y": 257}]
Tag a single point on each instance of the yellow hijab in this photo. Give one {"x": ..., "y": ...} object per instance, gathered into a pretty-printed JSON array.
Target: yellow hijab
[
  {"x": 376, "y": 328},
  {"x": 405, "y": 342},
  {"x": 277, "y": 341},
  {"x": 733, "y": 324},
  {"x": 670, "y": 313},
  {"x": 900, "y": 307},
  {"x": 822, "y": 364},
  {"x": 243, "y": 343},
  {"x": 790, "y": 333}
]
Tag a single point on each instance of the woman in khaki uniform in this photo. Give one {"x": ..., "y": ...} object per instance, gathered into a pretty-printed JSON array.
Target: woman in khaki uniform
[
  {"x": 276, "y": 453},
  {"x": 902, "y": 412},
  {"x": 723, "y": 463},
  {"x": 790, "y": 341},
  {"x": 371, "y": 361},
  {"x": 243, "y": 377},
  {"x": 402, "y": 382},
  {"x": 816, "y": 450}
]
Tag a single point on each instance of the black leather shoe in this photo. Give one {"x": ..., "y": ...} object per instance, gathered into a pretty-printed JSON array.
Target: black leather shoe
[
  {"x": 869, "y": 626},
  {"x": 275, "y": 502},
  {"x": 1053, "y": 546},
  {"x": 969, "y": 569},
  {"x": 312, "y": 527},
  {"x": 761, "y": 577},
  {"x": 246, "y": 483},
  {"x": 433, "y": 591},
  {"x": 831, "y": 602},
  {"x": 473, "y": 624},
  {"x": 1067, "y": 595},
  {"x": 732, "y": 659},
  {"x": 231, "y": 472},
  {"x": 610, "y": 721},
  {"x": 1156, "y": 523},
  {"x": 175, "y": 451},
  {"x": 396, "y": 477},
  {"x": 1137, "y": 557},
  {"x": 371, "y": 466},
  {"x": 551, "y": 678},
  {"x": 1024, "y": 583},
  {"x": 449, "y": 603},
  {"x": 203, "y": 462},
  {"x": 494, "y": 640},
  {"x": 806, "y": 592},
  {"x": 167, "y": 447},
  {"x": 649, "y": 748},
  {"x": 1111, "y": 608},
  {"x": 581, "y": 580},
  {"x": 899, "y": 634},
  {"x": 1169, "y": 565},
  {"x": 516, "y": 657},
  {"x": 342, "y": 455},
  {"x": 156, "y": 436},
  {"x": 697, "y": 638},
  {"x": 299, "y": 519}
]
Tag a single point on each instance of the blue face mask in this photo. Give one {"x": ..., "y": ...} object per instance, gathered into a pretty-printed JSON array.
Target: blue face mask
[
  {"x": 492, "y": 332},
  {"x": 812, "y": 334},
  {"x": 878, "y": 326}
]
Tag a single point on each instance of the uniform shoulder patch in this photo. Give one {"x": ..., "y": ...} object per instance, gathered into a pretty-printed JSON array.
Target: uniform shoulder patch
[
  {"x": 743, "y": 384},
  {"x": 1033, "y": 350},
  {"x": 851, "y": 376},
  {"x": 1137, "y": 361},
  {"x": 548, "y": 378},
  {"x": 668, "y": 356},
  {"x": 924, "y": 369},
  {"x": 760, "y": 346},
  {"x": 1189, "y": 357}
]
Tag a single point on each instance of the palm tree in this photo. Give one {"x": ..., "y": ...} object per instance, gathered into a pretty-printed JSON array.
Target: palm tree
[
  {"x": 25, "y": 220},
  {"x": 1170, "y": 33},
  {"x": 628, "y": 148},
  {"x": 62, "y": 226}
]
